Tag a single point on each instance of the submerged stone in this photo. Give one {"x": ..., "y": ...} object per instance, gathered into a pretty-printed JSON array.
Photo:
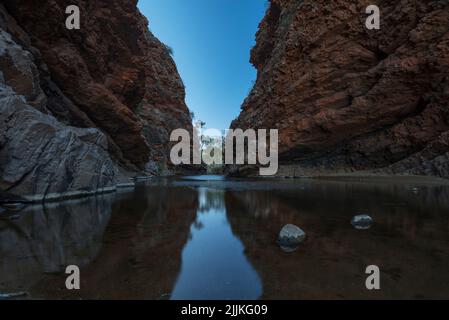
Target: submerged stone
[
  {"x": 290, "y": 237},
  {"x": 4, "y": 296},
  {"x": 12, "y": 207},
  {"x": 362, "y": 222}
]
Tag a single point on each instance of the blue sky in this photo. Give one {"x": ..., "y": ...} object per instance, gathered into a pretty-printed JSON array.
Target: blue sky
[{"x": 211, "y": 40}]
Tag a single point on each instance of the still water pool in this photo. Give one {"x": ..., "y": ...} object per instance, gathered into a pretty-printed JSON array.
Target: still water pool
[{"x": 215, "y": 238}]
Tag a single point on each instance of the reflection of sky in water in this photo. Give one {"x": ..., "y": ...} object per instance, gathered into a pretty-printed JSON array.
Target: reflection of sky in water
[
  {"x": 214, "y": 265},
  {"x": 216, "y": 240},
  {"x": 204, "y": 178}
]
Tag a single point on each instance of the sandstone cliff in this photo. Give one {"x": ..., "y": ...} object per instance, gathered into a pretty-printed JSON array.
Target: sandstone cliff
[
  {"x": 347, "y": 99},
  {"x": 108, "y": 94}
]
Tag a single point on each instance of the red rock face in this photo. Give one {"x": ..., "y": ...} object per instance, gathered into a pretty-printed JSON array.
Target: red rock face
[
  {"x": 112, "y": 74},
  {"x": 346, "y": 98}
]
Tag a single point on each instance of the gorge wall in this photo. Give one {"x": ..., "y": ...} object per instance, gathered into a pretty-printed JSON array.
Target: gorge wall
[
  {"x": 83, "y": 109},
  {"x": 347, "y": 99}
]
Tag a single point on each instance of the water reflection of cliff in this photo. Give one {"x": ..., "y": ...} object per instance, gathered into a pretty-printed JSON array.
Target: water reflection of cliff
[
  {"x": 47, "y": 239},
  {"x": 141, "y": 245},
  {"x": 409, "y": 241},
  {"x": 161, "y": 241}
]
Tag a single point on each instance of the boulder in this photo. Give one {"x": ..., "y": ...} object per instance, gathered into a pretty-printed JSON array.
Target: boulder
[
  {"x": 291, "y": 236},
  {"x": 40, "y": 157},
  {"x": 362, "y": 222}
]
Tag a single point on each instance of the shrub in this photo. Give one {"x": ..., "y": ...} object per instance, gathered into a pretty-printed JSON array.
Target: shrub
[{"x": 169, "y": 49}]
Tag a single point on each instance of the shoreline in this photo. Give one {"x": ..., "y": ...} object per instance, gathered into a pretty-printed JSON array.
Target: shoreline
[
  {"x": 378, "y": 178},
  {"x": 64, "y": 196},
  {"x": 353, "y": 177},
  {"x": 357, "y": 178}
]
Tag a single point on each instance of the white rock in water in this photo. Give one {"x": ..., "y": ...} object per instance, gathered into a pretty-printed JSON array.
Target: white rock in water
[
  {"x": 362, "y": 222},
  {"x": 291, "y": 236}
]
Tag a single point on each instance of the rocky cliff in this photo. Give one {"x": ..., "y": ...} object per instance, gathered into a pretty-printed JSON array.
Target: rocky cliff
[
  {"x": 82, "y": 109},
  {"x": 347, "y": 99}
]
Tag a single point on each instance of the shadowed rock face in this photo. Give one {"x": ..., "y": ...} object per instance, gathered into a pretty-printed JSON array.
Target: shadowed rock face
[
  {"x": 112, "y": 78},
  {"x": 348, "y": 99},
  {"x": 112, "y": 74},
  {"x": 39, "y": 156}
]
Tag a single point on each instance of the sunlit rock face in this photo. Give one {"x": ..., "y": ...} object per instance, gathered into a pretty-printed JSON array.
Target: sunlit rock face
[
  {"x": 346, "y": 98},
  {"x": 111, "y": 76}
]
